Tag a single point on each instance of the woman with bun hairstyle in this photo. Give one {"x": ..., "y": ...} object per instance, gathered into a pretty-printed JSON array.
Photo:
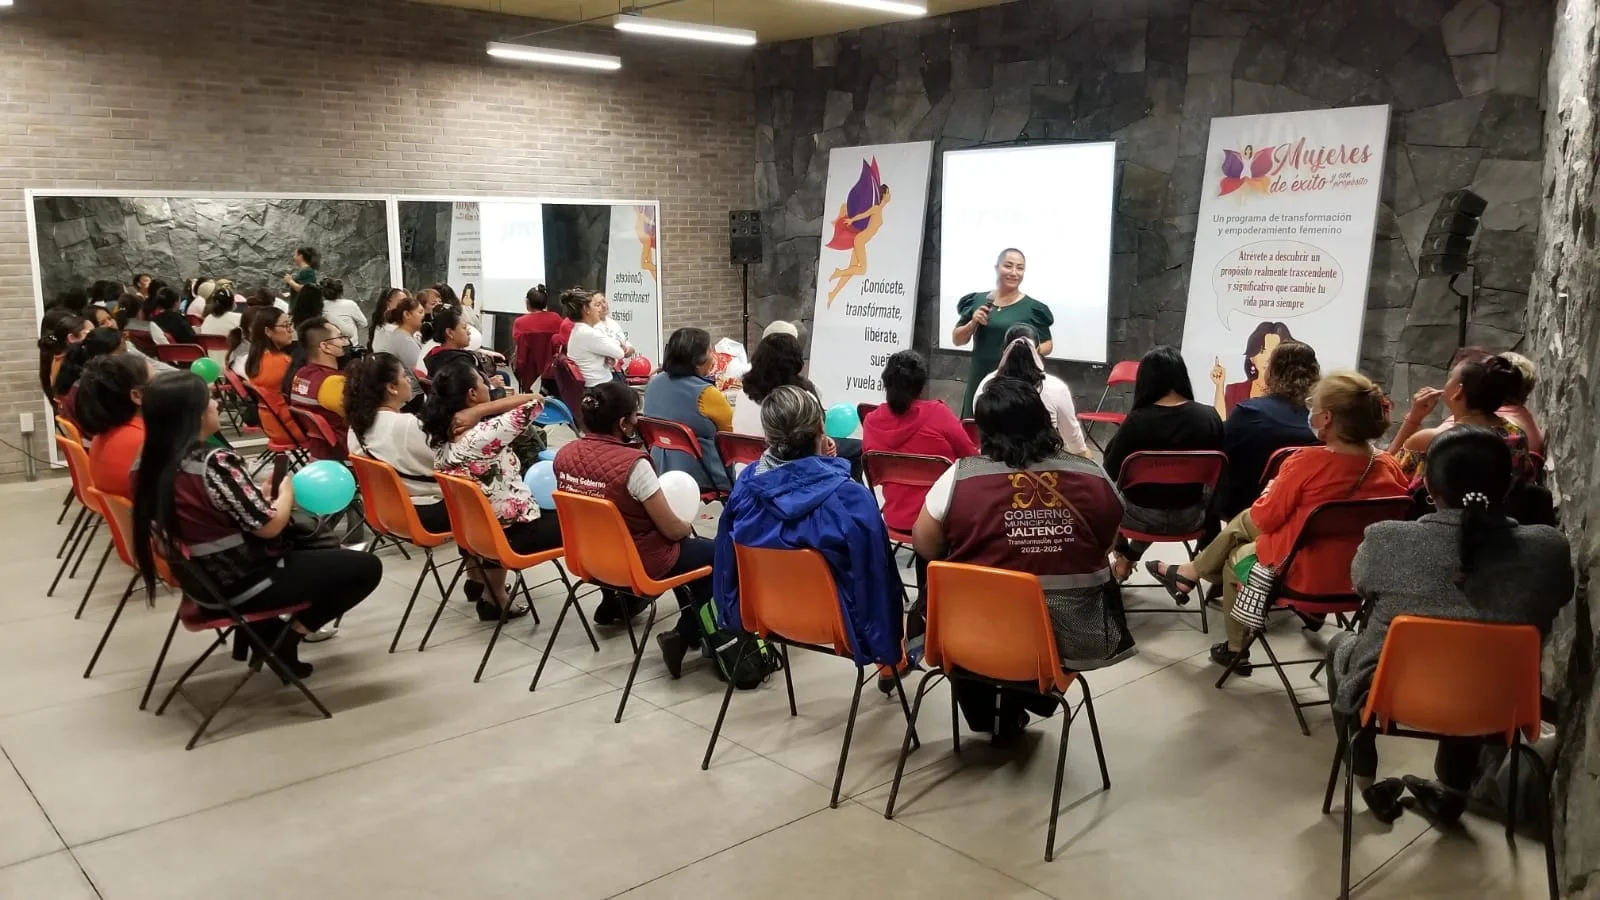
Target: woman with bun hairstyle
[
  {"x": 1468, "y": 561},
  {"x": 1348, "y": 413},
  {"x": 1479, "y": 385}
]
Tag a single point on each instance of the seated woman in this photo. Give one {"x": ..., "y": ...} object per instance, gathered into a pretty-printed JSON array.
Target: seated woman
[
  {"x": 965, "y": 520},
  {"x": 1478, "y": 386},
  {"x": 1021, "y": 360},
  {"x": 343, "y": 312},
  {"x": 1165, "y": 416},
  {"x": 1467, "y": 561},
  {"x": 107, "y": 398},
  {"x": 682, "y": 392},
  {"x": 99, "y": 342},
  {"x": 387, "y": 298},
  {"x": 168, "y": 324},
  {"x": 606, "y": 463},
  {"x": 778, "y": 361},
  {"x": 473, "y": 436},
  {"x": 60, "y": 329},
  {"x": 1262, "y": 426},
  {"x": 1516, "y": 409},
  {"x": 906, "y": 423},
  {"x": 220, "y": 321},
  {"x": 375, "y": 390},
  {"x": 266, "y": 368},
  {"x": 798, "y": 496},
  {"x": 202, "y": 499},
  {"x": 592, "y": 348},
  {"x": 1348, "y": 413},
  {"x": 400, "y": 335},
  {"x": 454, "y": 336}
]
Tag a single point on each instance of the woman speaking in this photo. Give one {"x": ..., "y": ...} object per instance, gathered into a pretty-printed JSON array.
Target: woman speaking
[{"x": 987, "y": 316}]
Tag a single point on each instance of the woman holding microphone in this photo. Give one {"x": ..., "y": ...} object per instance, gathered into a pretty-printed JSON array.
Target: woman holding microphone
[{"x": 986, "y": 316}]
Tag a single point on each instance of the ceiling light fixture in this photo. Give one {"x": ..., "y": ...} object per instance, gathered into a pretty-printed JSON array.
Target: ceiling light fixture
[
  {"x": 688, "y": 31},
  {"x": 896, "y": 7},
  {"x": 551, "y": 57}
]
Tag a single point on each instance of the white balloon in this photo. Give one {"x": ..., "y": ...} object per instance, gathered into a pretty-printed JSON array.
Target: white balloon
[{"x": 683, "y": 495}]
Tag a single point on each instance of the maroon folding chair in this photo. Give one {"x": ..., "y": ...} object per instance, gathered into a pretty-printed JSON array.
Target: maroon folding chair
[
  {"x": 1173, "y": 467},
  {"x": 863, "y": 408},
  {"x": 739, "y": 449},
  {"x": 665, "y": 434},
  {"x": 180, "y": 355},
  {"x": 291, "y": 450},
  {"x": 141, "y": 341},
  {"x": 1275, "y": 462},
  {"x": 1125, "y": 372},
  {"x": 321, "y": 440},
  {"x": 212, "y": 342},
  {"x": 970, "y": 426},
  {"x": 905, "y": 470},
  {"x": 1337, "y": 522}
]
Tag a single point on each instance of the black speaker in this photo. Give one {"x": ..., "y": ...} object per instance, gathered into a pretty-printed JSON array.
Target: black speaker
[
  {"x": 744, "y": 236},
  {"x": 1449, "y": 239}
]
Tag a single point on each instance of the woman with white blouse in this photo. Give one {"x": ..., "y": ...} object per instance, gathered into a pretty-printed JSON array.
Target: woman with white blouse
[{"x": 595, "y": 352}]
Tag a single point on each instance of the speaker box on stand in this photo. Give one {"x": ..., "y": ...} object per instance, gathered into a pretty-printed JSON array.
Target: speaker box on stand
[
  {"x": 744, "y": 248},
  {"x": 1446, "y": 246}
]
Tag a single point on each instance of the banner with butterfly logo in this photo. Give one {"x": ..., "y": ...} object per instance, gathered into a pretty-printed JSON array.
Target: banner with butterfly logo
[
  {"x": 1283, "y": 245},
  {"x": 874, "y": 208}
]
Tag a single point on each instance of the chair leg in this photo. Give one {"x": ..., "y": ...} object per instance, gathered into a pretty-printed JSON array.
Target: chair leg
[
  {"x": 206, "y": 721},
  {"x": 270, "y": 656},
  {"x": 422, "y": 576},
  {"x": 1349, "y": 817},
  {"x": 1249, "y": 638},
  {"x": 1542, "y": 772},
  {"x": 66, "y": 504},
  {"x": 928, "y": 680},
  {"x": 1094, "y": 732},
  {"x": 460, "y": 570},
  {"x": 638, "y": 655},
  {"x": 82, "y": 604},
  {"x": 862, "y": 674},
  {"x": 221, "y": 638},
  {"x": 94, "y": 529},
  {"x": 1061, "y": 773},
  {"x": 1333, "y": 773},
  {"x": 72, "y": 530},
  {"x": 549, "y": 646},
  {"x": 900, "y": 690},
  {"x": 78, "y": 537},
  {"x": 1294, "y": 699},
  {"x": 745, "y": 644},
  {"x": 1516, "y": 790},
  {"x": 116, "y": 614},
  {"x": 155, "y": 671},
  {"x": 955, "y": 719},
  {"x": 498, "y": 626},
  {"x": 788, "y": 678}
]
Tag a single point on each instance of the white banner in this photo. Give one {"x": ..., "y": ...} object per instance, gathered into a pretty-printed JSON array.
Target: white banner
[
  {"x": 875, "y": 204},
  {"x": 632, "y": 284},
  {"x": 466, "y": 245},
  {"x": 512, "y": 253},
  {"x": 1283, "y": 248}
]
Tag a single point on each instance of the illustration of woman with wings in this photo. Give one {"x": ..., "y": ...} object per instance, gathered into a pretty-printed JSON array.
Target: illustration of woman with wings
[
  {"x": 859, "y": 220},
  {"x": 644, "y": 226},
  {"x": 1233, "y": 173}
]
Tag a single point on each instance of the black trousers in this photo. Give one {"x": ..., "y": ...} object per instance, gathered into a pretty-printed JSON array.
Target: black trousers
[
  {"x": 986, "y": 706},
  {"x": 1455, "y": 762},
  {"x": 332, "y": 581},
  {"x": 693, "y": 553}
]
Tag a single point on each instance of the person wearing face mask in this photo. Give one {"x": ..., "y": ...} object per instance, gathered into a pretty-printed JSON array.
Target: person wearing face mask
[
  {"x": 683, "y": 392},
  {"x": 1348, "y": 413},
  {"x": 986, "y": 316},
  {"x": 317, "y": 386}
]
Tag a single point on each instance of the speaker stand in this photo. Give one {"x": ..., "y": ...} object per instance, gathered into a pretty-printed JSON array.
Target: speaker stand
[
  {"x": 745, "y": 306},
  {"x": 1465, "y": 304}
]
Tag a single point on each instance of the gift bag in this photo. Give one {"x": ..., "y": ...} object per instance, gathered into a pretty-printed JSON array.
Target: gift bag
[
  {"x": 729, "y": 364},
  {"x": 1255, "y": 593}
]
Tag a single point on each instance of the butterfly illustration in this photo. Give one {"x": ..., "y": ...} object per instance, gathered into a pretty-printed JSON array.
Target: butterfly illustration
[{"x": 1233, "y": 169}]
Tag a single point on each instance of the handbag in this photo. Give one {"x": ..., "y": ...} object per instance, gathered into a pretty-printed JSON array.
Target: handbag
[{"x": 1257, "y": 580}]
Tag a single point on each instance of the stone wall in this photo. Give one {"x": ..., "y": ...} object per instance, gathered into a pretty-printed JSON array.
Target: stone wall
[
  {"x": 424, "y": 241},
  {"x": 1464, "y": 78},
  {"x": 83, "y": 239},
  {"x": 1564, "y": 340}
]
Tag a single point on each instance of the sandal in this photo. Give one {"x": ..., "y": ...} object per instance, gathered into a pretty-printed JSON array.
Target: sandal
[{"x": 1176, "y": 585}]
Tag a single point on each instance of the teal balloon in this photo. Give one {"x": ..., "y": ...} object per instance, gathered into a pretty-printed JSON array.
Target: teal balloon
[
  {"x": 541, "y": 482},
  {"x": 206, "y": 368},
  {"x": 841, "y": 421},
  {"x": 323, "y": 488}
]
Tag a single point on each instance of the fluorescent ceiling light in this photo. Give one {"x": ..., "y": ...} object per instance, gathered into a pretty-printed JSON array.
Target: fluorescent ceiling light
[
  {"x": 549, "y": 56},
  {"x": 689, "y": 31},
  {"x": 5, "y": 2},
  {"x": 896, "y": 7}
]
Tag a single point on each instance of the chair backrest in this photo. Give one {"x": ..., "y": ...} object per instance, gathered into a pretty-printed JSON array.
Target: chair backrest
[
  {"x": 1202, "y": 467},
  {"x": 472, "y": 520},
  {"x": 141, "y": 341},
  {"x": 318, "y": 432},
  {"x": 212, "y": 342},
  {"x": 68, "y": 429},
  {"x": 862, "y": 409},
  {"x": 791, "y": 593},
  {"x": 569, "y": 382},
  {"x": 1343, "y": 521},
  {"x": 194, "y": 320},
  {"x": 1275, "y": 462},
  {"x": 970, "y": 426},
  {"x": 904, "y": 469},
  {"x": 385, "y": 498},
  {"x": 119, "y": 517},
  {"x": 179, "y": 354},
  {"x": 1457, "y": 678},
  {"x": 739, "y": 448},
  {"x": 669, "y": 435},
  {"x": 991, "y": 622},
  {"x": 1125, "y": 372},
  {"x": 598, "y": 546},
  {"x": 78, "y": 470},
  {"x": 554, "y": 412}
]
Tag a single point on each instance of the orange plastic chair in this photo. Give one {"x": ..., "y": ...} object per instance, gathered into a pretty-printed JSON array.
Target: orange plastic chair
[
  {"x": 665, "y": 434},
  {"x": 478, "y": 533},
  {"x": 788, "y": 598},
  {"x": 992, "y": 626},
  {"x": 1125, "y": 372},
  {"x": 1440, "y": 678},
  {"x": 739, "y": 449},
  {"x": 1337, "y": 521},
  {"x": 68, "y": 429},
  {"x": 87, "y": 523},
  {"x": 119, "y": 520},
  {"x": 393, "y": 517},
  {"x": 600, "y": 551},
  {"x": 180, "y": 355}
]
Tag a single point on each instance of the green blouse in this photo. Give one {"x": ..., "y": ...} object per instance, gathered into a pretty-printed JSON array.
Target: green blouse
[{"x": 988, "y": 342}]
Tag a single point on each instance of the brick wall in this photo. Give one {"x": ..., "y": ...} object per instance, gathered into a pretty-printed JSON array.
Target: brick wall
[{"x": 357, "y": 96}]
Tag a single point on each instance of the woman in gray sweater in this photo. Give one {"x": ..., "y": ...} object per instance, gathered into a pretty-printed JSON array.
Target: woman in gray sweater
[{"x": 1467, "y": 561}]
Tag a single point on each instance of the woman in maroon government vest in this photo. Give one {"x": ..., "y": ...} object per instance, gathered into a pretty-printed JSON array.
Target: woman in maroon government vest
[
  {"x": 1027, "y": 505},
  {"x": 603, "y": 463}
]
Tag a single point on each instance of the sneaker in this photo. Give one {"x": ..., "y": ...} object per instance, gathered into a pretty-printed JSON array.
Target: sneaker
[
  {"x": 326, "y": 632},
  {"x": 673, "y": 649},
  {"x": 1222, "y": 656}
]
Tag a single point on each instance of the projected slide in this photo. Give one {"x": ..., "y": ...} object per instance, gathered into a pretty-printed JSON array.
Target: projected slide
[
  {"x": 513, "y": 253},
  {"x": 1054, "y": 203}
]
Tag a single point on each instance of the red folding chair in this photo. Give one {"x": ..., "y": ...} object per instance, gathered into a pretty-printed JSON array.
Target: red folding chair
[
  {"x": 195, "y": 321},
  {"x": 290, "y": 450},
  {"x": 1202, "y": 468},
  {"x": 141, "y": 341},
  {"x": 180, "y": 355},
  {"x": 739, "y": 449},
  {"x": 970, "y": 426},
  {"x": 1125, "y": 372},
  {"x": 212, "y": 343},
  {"x": 862, "y": 409},
  {"x": 322, "y": 441},
  {"x": 1275, "y": 462},
  {"x": 908, "y": 470},
  {"x": 665, "y": 434},
  {"x": 1340, "y": 523}
]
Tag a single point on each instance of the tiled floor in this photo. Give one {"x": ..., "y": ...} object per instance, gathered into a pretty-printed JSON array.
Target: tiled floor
[{"x": 425, "y": 785}]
